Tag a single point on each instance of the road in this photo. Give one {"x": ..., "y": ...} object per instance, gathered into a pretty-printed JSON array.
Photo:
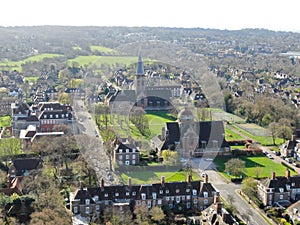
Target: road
[
  {"x": 91, "y": 144},
  {"x": 228, "y": 191}
]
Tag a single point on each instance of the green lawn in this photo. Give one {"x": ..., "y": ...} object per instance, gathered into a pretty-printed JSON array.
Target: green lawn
[
  {"x": 266, "y": 166},
  {"x": 157, "y": 120},
  {"x": 148, "y": 176},
  {"x": 96, "y": 48},
  {"x": 231, "y": 135},
  {"x": 17, "y": 65},
  {"x": 10, "y": 146},
  {"x": 108, "y": 60}
]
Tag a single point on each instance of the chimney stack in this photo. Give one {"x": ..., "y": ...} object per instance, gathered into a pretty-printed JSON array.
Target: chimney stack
[
  {"x": 129, "y": 182},
  {"x": 163, "y": 181},
  {"x": 273, "y": 176},
  {"x": 216, "y": 197},
  {"x": 189, "y": 178},
  {"x": 81, "y": 185},
  {"x": 102, "y": 184},
  {"x": 287, "y": 173},
  {"x": 206, "y": 178}
]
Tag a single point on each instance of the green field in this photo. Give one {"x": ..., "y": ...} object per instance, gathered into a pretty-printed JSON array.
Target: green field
[
  {"x": 231, "y": 135},
  {"x": 108, "y": 60},
  {"x": 157, "y": 120},
  {"x": 17, "y": 65},
  {"x": 96, "y": 48},
  {"x": 148, "y": 176},
  {"x": 262, "y": 164}
]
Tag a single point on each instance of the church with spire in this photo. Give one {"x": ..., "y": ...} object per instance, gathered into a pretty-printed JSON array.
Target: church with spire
[{"x": 142, "y": 94}]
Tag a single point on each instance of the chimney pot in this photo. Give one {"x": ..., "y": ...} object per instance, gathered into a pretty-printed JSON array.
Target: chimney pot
[
  {"x": 273, "y": 176},
  {"x": 287, "y": 173},
  {"x": 163, "y": 181}
]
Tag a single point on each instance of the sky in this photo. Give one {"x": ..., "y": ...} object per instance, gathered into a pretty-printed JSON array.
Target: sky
[{"x": 275, "y": 15}]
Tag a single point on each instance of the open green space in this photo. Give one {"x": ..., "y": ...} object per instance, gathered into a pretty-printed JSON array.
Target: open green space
[
  {"x": 231, "y": 135},
  {"x": 157, "y": 120},
  {"x": 17, "y": 65},
  {"x": 148, "y": 176},
  {"x": 10, "y": 146},
  {"x": 263, "y": 140},
  {"x": 256, "y": 166},
  {"x": 106, "y": 60},
  {"x": 97, "y": 48}
]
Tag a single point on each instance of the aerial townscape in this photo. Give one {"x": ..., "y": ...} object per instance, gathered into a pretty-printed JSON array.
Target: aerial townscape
[{"x": 149, "y": 125}]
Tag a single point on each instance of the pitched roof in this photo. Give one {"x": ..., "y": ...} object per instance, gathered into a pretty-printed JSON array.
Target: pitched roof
[{"x": 22, "y": 164}]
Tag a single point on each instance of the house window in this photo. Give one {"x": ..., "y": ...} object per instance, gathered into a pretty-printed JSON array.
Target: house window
[
  {"x": 105, "y": 195},
  {"x": 167, "y": 198},
  {"x": 177, "y": 190},
  {"x": 133, "y": 150},
  {"x": 127, "y": 193},
  {"x": 280, "y": 190},
  {"x": 187, "y": 190},
  {"x": 56, "y": 116},
  {"x": 149, "y": 204},
  {"x": 120, "y": 157},
  {"x": 127, "y": 163},
  {"x": 178, "y": 199},
  {"x": 133, "y": 156},
  {"x": 120, "y": 150},
  {"x": 159, "y": 202},
  {"x": 97, "y": 207},
  {"x": 205, "y": 201},
  {"x": 133, "y": 162},
  {"x": 194, "y": 192},
  {"x": 205, "y": 194},
  {"x": 127, "y": 156},
  {"x": 171, "y": 206},
  {"x": 96, "y": 198},
  {"x": 188, "y": 197},
  {"x": 280, "y": 197},
  {"x": 188, "y": 205},
  {"x": 87, "y": 201},
  {"x": 127, "y": 150},
  {"x": 75, "y": 209},
  {"x": 195, "y": 201},
  {"x": 117, "y": 194},
  {"x": 167, "y": 191},
  {"x": 133, "y": 193},
  {"x": 105, "y": 202},
  {"x": 87, "y": 210},
  {"x": 143, "y": 195},
  {"x": 51, "y": 116},
  {"x": 154, "y": 195}
]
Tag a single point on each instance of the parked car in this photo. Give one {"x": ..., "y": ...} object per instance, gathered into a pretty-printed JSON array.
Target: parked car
[
  {"x": 270, "y": 156},
  {"x": 288, "y": 160}
]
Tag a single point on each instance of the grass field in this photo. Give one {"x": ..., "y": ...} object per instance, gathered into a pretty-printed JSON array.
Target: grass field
[
  {"x": 157, "y": 120},
  {"x": 260, "y": 165},
  {"x": 263, "y": 140},
  {"x": 231, "y": 135},
  {"x": 98, "y": 60},
  {"x": 96, "y": 48},
  {"x": 148, "y": 176},
  {"x": 17, "y": 65}
]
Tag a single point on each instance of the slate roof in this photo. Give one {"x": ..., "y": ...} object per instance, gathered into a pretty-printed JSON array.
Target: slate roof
[
  {"x": 22, "y": 164},
  {"x": 124, "y": 146},
  {"x": 281, "y": 182}
]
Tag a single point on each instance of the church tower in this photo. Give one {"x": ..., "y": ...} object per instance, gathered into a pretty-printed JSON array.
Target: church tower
[{"x": 140, "y": 84}]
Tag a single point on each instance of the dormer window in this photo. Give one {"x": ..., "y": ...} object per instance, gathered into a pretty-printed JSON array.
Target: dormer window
[
  {"x": 117, "y": 194},
  {"x": 161, "y": 191},
  {"x": 51, "y": 116},
  {"x": 154, "y": 195},
  {"x": 143, "y": 195},
  {"x": 87, "y": 201},
  {"x": 105, "y": 195},
  {"x": 177, "y": 190},
  {"x": 120, "y": 150},
  {"x": 127, "y": 150},
  {"x": 288, "y": 187},
  {"x": 133, "y": 150},
  {"x": 194, "y": 192},
  {"x": 293, "y": 184},
  {"x": 167, "y": 191},
  {"x": 187, "y": 190},
  {"x": 205, "y": 194},
  {"x": 45, "y": 116},
  {"x": 280, "y": 190},
  {"x": 56, "y": 116},
  {"x": 133, "y": 193},
  {"x": 127, "y": 193}
]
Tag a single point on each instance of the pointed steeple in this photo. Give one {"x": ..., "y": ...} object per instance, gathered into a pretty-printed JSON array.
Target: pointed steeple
[{"x": 140, "y": 66}]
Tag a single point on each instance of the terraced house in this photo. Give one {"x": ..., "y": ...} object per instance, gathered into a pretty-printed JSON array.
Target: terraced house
[{"x": 180, "y": 197}]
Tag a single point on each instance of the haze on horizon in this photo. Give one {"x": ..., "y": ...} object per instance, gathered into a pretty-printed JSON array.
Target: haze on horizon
[{"x": 218, "y": 14}]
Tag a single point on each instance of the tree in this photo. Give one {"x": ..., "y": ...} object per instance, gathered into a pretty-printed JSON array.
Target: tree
[
  {"x": 236, "y": 167},
  {"x": 273, "y": 127},
  {"x": 142, "y": 215},
  {"x": 139, "y": 119},
  {"x": 249, "y": 187},
  {"x": 157, "y": 214},
  {"x": 170, "y": 157}
]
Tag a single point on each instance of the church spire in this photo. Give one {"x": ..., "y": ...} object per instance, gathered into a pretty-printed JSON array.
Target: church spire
[{"x": 140, "y": 66}]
